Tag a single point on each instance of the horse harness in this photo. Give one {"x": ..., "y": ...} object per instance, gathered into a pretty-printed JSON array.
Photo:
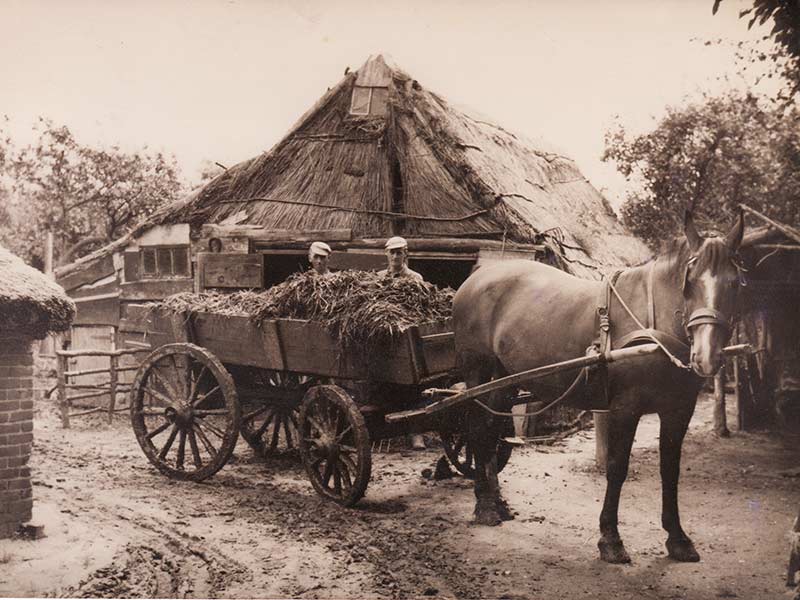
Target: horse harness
[{"x": 673, "y": 347}]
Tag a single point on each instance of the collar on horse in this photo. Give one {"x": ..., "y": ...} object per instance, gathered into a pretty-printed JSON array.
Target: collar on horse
[{"x": 676, "y": 349}]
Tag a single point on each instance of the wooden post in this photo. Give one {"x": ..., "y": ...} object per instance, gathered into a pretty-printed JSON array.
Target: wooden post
[
  {"x": 61, "y": 367},
  {"x": 112, "y": 386},
  {"x": 600, "y": 438},
  {"x": 720, "y": 417},
  {"x": 737, "y": 391}
]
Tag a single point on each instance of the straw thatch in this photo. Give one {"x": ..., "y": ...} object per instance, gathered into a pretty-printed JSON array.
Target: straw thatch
[
  {"x": 31, "y": 304},
  {"x": 421, "y": 169}
]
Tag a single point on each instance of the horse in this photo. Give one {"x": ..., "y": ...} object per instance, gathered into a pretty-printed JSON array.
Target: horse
[{"x": 518, "y": 315}]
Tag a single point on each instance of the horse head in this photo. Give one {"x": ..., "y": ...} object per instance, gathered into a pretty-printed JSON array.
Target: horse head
[{"x": 711, "y": 281}]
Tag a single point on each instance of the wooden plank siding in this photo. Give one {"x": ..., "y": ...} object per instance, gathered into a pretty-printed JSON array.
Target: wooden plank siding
[
  {"x": 154, "y": 289},
  {"x": 89, "y": 273},
  {"x": 101, "y": 290},
  {"x": 230, "y": 270},
  {"x": 101, "y": 309},
  {"x": 131, "y": 265}
]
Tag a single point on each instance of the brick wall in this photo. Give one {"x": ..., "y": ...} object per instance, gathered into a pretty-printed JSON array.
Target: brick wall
[{"x": 16, "y": 433}]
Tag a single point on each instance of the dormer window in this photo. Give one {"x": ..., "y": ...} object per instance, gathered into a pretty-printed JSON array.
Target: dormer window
[
  {"x": 371, "y": 89},
  {"x": 369, "y": 101}
]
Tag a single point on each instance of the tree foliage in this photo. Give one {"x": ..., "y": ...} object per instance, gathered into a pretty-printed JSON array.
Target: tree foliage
[
  {"x": 86, "y": 196},
  {"x": 709, "y": 156},
  {"x": 785, "y": 16}
]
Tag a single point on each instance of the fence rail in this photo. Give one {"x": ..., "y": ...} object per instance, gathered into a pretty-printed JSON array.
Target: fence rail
[{"x": 108, "y": 388}]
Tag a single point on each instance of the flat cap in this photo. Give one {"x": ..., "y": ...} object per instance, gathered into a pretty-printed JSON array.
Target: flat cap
[
  {"x": 320, "y": 248},
  {"x": 396, "y": 242}
]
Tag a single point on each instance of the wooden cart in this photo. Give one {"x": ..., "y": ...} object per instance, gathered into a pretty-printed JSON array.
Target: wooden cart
[
  {"x": 282, "y": 384},
  {"x": 287, "y": 383}
]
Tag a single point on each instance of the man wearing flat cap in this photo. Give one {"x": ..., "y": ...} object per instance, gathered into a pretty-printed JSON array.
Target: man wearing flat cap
[
  {"x": 318, "y": 255},
  {"x": 397, "y": 257},
  {"x": 397, "y": 268}
]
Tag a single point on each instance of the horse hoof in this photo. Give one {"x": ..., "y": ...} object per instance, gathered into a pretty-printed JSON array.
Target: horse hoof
[
  {"x": 682, "y": 550},
  {"x": 503, "y": 511},
  {"x": 487, "y": 516},
  {"x": 613, "y": 551}
]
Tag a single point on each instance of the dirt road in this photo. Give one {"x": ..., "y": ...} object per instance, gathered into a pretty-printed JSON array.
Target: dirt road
[{"x": 116, "y": 527}]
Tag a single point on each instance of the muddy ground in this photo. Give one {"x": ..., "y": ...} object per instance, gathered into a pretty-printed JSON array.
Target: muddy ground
[{"x": 116, "y": 527}]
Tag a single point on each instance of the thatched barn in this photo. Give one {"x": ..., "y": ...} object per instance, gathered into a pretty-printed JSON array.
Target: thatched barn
[
  {"x": 378, "y": 155},
  {"x": 31, "y": 306}
]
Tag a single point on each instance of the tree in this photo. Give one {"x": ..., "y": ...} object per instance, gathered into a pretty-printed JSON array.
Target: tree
[
  {"x": 85, "y": 196},
  {"x": 785, "y": 15},
  {"x": 709, "y": 156}
]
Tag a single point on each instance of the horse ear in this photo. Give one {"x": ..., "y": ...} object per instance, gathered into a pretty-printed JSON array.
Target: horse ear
[
  {"x": 694, "y": 238},
  {"x": 734, "y": 238}
]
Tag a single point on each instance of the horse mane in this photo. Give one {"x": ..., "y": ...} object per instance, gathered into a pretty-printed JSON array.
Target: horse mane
[{"x": 712, "y": 255}]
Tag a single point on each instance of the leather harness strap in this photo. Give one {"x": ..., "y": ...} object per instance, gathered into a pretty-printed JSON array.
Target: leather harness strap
[
  {"x": 671, "y": 345},
  {"x": 603, "y": 306},
  {"x": 651, "y": 305}
]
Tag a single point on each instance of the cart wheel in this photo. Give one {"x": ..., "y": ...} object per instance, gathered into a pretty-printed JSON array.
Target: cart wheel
[
  {"x": 270, "y": 422},
  {"x": 183, "y": 396},
  {"x": 334, "y": 444},
  {"x": 460, "y": 455}
]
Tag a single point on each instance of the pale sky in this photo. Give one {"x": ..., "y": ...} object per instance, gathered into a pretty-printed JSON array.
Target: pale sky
[{"x": 224, "y": 81}]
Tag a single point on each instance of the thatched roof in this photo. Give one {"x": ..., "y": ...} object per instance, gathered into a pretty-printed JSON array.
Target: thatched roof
[
  {"x": 30, "y": 303},
  {"x": 418, "y": 167}
]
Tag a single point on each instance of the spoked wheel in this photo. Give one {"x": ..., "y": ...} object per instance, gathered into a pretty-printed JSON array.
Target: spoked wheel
[
  {"x": 460, "y": 454},
  {"x": 334, "y": 444},
  {"x": 270, "y": 413},
  {"x": 184, "y": 411}
]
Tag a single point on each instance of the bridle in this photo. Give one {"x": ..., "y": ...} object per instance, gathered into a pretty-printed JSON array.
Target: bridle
[
  {"x": 700, "y": 316},
  {"x": 707, "y": 315}
]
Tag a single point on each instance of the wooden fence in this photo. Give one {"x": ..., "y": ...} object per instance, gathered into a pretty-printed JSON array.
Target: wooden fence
[{"x": 109, "y": 388}]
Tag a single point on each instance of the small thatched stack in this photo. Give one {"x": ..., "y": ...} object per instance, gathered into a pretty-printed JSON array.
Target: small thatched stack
[
  {"x": 31, "y": 305},
  {"x": 359, "y": 308}
]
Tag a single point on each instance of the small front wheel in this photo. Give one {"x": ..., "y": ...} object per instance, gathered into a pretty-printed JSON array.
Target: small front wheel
[
  {"x": 334, "y": 444},
  {"x": 461, "y": 456}
]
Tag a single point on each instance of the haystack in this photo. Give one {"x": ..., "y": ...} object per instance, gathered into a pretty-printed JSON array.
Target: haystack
[{"x": 31, "y": 305}]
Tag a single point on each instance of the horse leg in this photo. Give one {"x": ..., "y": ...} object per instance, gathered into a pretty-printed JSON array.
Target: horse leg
[
  {"x": 673, "y": 429},
  {"x": 487, "y": 494},
  {"x": 478, "y": 433},
  {"x": 621, "y": 430},
  {"x": 500, "y": 401}
]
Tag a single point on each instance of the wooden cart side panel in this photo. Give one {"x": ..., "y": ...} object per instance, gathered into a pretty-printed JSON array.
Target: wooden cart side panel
[
  {"x": 301, "y": 346},
  {"x": 233, "y": 339},
  {"x": 309, "y": 348},
  {"x": 438, "y": 348},
  {"x": 273, "y": 345}
]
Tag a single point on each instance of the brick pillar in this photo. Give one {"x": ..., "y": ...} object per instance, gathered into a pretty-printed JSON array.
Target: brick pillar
[{"x": 16, "y": 433}]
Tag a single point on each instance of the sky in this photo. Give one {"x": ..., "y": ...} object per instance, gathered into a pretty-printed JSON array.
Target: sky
[{"x": 223, "y": 81}]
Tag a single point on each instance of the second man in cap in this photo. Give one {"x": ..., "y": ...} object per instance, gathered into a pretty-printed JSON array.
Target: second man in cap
[{"x": 397, "y": 257}]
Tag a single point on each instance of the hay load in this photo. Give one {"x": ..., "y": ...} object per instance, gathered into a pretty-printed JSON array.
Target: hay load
[{"x": 360, "y": 308}]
